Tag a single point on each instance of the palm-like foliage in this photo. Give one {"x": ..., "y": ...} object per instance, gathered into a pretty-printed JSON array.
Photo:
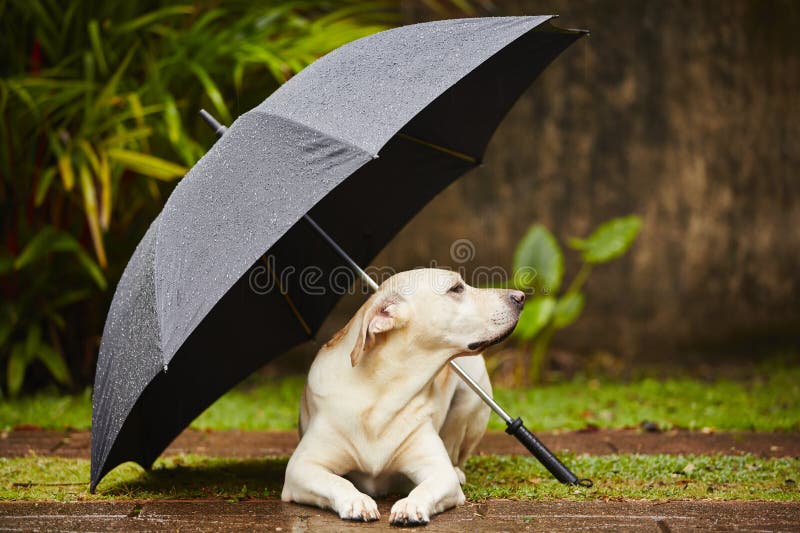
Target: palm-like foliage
[{"x": 98, "y": 102}]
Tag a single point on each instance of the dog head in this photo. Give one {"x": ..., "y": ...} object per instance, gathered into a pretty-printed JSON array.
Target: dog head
[{"x": 433, "y": 310}]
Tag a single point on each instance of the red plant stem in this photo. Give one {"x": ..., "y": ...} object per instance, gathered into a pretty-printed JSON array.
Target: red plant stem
[{"x": 36, "y": 58}]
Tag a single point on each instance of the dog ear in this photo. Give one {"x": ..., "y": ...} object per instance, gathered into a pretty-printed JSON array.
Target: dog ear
[{"x": 381, "y": 314}]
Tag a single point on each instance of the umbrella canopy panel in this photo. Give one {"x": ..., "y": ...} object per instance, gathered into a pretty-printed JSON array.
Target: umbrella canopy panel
[
  {"x": 365, "y": 92},
  {"x": 185, "y": 324}
]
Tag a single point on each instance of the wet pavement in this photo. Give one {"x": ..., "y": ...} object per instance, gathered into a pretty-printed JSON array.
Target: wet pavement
[
  {"x": 22, "y": 442},
  {"x": 496, "y": 515}
]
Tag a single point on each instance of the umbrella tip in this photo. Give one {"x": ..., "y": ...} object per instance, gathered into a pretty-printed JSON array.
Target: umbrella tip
[{"x": 218, "y": 128}]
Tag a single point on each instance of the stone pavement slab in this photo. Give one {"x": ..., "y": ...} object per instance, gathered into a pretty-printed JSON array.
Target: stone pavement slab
[{"x": 492, "y": 515}]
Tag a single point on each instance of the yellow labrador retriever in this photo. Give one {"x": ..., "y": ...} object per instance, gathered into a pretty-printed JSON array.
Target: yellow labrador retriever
[{"x": 381, "y": 408}]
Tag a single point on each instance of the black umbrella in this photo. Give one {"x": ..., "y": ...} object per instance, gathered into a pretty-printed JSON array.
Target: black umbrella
[{"x": 370, "y": 132}]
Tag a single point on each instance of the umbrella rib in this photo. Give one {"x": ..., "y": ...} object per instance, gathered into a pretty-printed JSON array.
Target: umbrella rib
[
  {"x": 448, "y": 151},
  {"x": 285, "y": 294}
]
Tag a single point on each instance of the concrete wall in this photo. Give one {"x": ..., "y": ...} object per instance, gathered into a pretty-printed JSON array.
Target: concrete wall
[{"x": 687, "y": 113}]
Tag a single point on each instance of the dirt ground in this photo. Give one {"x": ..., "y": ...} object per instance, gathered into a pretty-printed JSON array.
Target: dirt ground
[{"x": 22, "y": 442}]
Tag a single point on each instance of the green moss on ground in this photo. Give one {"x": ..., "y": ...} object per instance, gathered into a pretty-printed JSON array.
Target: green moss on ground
[
  {"x": 767, "y": 402},
  {"x": 633, "y": 476},
  {"x": 652, "y": 477}
]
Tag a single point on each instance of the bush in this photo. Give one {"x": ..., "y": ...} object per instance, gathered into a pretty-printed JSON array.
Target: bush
[{"x": 99, "y": 104}]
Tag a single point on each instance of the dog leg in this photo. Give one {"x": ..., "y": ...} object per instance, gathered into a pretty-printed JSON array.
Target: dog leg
[
  {"x": 427, "y": 464},
  {"x": 310, "y": 483}
]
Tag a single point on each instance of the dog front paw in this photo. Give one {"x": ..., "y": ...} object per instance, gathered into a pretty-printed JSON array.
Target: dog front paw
[
  {"x": 360, "y": 508},
  {"x": 408, "y": 513},
  {"x": 462, "y": 478}
]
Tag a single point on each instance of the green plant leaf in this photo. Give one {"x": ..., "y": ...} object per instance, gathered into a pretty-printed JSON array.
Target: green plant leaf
[
  {"x": 54, "y": 363},
  {"x": 535, "y": 316},
  {"x": 92, "y": 268},
  {"x": 609, "y": 241},
  {"x": 50, "y": 239},
  {"x": 238, "y": 76},
  {"x": 6, "y": 262},
  {"x": 172, "y": 118},
  {"x": 67, "y": 173},
  {"x": 56, "y": 319},
  {"x": 109, "y": 91},
  {"x": 104, "y": 177},
  {"x": 68, "y": 298},
  {"x": 43, "y": 186},
  {"x": 126, "y": 136},
  {"x": 15, "y": 369},
  {"x": 212, "y": 91},
  {"x": 151, "y": 17},
  {"x": 97, "y": 47},
  {"x": 32, "y": 340},
  {"x": 47, "y": 240},
  {"x": 92, "y": 213},
  {"x": 89, "y": 152},
  {"x": 538, "y": 262},
  {"x": 20, "y": 92},
  {"x": 148, "y": 165},
  {"x": 568, "y": 309}
]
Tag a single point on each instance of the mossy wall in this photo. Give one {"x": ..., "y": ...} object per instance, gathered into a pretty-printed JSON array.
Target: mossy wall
[{"x": 687, "y": 113}]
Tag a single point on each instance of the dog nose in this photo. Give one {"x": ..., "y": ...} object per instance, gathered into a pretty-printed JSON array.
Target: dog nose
[{"x": 518, "y": 297}]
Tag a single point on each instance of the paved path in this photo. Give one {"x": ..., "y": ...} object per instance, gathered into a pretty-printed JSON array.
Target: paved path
[
  {"x": 492, "y": 515},
  {"x": 260, "y": 443},
  {"x": 497, "y": 515}
]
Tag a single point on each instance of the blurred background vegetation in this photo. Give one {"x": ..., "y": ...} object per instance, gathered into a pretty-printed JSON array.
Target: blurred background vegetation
[
  {"x": 687, "y": 117},
  {"x": 99, "y": 104}
]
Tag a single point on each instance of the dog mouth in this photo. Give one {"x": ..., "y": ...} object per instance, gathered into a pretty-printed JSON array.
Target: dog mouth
[{"x": 482, "y": 345}]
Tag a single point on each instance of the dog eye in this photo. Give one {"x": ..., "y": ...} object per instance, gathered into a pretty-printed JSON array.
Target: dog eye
[{"x": 458, "y": 288}]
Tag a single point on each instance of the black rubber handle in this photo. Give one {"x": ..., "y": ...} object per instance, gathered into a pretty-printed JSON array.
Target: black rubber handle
[{"x": 545, "y": 456}]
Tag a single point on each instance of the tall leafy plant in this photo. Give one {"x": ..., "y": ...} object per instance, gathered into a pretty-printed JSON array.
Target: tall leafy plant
[
  {"x": 98, "y": 104},
  {"x": 539, "y": 270}
]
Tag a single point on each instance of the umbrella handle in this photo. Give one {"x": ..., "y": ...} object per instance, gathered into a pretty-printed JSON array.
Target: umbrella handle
[{"x": 545, "y": 456}]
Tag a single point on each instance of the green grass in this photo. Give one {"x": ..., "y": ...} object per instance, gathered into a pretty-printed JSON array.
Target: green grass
[
  {"x": 653, "y": 477},
  {"x": 763, "y": 404},
  {"x": 767, "y": 402}
]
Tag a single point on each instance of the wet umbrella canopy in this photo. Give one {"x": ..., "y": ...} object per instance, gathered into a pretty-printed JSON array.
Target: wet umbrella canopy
[{"x": 360, "y": 140}]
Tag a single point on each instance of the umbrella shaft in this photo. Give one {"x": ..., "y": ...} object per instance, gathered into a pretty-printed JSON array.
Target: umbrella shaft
[
  {"x": 488, "y": 400},
  {"x": 486, "y": 397},
  {"x": 333, "y": 244}
]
